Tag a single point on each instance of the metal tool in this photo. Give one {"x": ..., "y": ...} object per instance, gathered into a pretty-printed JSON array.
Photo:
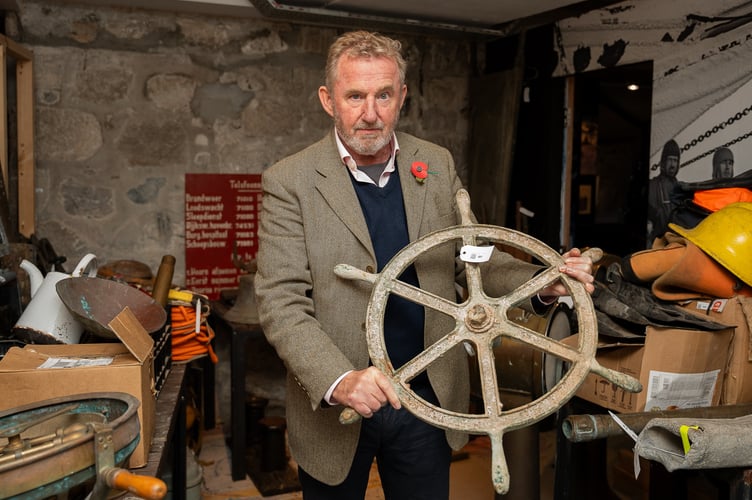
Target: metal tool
[{"x": 482, "y": 321}]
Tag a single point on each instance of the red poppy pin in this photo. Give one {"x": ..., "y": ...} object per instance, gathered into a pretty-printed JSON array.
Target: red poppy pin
[{"x": 420, "y": 170}]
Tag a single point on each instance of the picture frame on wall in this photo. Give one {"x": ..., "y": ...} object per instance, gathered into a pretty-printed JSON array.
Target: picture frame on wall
[{"x": 586, "y": 195}]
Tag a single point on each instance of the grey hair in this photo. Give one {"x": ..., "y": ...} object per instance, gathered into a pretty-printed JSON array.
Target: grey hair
[{"x": 364, "y": 44}]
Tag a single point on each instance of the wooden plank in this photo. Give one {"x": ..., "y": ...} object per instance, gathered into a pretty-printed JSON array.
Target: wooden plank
[
  {"x": 25, "y": 100},
  {"x": 566, "y": 202},
  {"x": 25, "y": 145},
  {"x": 16, "y": 50}
]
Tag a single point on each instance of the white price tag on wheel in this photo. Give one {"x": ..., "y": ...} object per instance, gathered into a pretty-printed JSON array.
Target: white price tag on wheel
[{"x": 470, "y": 253}]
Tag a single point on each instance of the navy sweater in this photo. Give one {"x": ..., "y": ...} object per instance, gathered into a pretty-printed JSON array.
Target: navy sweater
[{"x": 384, "y": 211}]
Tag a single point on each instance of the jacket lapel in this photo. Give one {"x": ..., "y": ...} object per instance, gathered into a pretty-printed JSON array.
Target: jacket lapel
[
  {"x": 413, "y": 192},
  {"x": 333, "y": 182},
  {"x": 335, "y": 186}
]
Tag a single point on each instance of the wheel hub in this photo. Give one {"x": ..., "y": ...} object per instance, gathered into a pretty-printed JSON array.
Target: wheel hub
[{"x": 480, "y": 318}]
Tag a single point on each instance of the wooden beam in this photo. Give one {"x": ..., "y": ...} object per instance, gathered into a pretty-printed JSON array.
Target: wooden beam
[
  {"x": 16, "y": 50},
  {"x": 25, "y": 100},
  {"x": 23, "y": 57},
  {"x": 566, "y": 185},
  {"x": 550, "y": 16},
  {"x": 4, "y": 120}
]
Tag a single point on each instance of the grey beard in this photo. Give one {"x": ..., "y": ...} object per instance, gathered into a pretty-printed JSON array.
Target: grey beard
[
  {"x": 368, "y": 149},
  {"x": 358, "y": 146}
]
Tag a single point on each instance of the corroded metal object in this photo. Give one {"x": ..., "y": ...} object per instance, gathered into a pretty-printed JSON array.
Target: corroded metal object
[
  {"x": 482, "y": 321},
  {"x": 47, "y": 448},
  {"x": 589, "y": 427}
]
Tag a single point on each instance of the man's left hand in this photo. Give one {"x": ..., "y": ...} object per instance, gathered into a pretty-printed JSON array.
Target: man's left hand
[{"x": 577, "y": 266}]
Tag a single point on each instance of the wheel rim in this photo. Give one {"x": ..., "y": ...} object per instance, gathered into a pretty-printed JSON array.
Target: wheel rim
[{"x": 480, "y": 320}]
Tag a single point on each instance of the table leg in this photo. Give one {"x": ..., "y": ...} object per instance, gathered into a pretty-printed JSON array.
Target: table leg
[
  {"x": 179, "y": 473},
  {"x": 208, "y": 392},
  {"x": 237, "y": 404}
]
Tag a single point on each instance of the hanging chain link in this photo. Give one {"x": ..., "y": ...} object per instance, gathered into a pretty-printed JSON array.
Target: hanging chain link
[
  {"x": 694, "y": 142},
  {"x": 706, "y": 153}
]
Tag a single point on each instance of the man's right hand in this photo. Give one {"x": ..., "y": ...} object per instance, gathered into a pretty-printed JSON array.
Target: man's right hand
[{"x": 366, "y": 391}]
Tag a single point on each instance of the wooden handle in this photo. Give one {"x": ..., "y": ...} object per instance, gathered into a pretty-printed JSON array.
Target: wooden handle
[
  {"x": 163, "y": 281},
  {"x": 348, "y": 416},
  {"x": 150, "y": 488},
  {"x": 352, "y": 273},
  {"x": 594, "y": 253}
]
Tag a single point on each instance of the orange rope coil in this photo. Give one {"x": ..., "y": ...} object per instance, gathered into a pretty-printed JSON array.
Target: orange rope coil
[{"x": 191, "y": 333}]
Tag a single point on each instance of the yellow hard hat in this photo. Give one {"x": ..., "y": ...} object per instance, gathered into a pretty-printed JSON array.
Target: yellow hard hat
[{"x": 725, "y": 235}]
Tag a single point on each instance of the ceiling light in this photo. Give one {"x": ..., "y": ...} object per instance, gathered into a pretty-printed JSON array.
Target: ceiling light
[{"x": 633, "y": 87}]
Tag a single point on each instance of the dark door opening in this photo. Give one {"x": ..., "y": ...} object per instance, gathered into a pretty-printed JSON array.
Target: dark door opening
[
  {"x": 607, "y": 177},
  {"x": 610, "y": 158}
]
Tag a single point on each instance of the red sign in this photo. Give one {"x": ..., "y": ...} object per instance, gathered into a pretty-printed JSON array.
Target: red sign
[{"x": 221, "y": 217}]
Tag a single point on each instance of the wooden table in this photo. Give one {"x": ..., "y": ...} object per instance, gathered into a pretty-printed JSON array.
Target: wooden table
[{"x": 168, "y": 445}]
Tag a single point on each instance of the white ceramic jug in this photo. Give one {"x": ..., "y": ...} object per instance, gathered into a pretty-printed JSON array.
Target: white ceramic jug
[{"x": 46, "y": 320}]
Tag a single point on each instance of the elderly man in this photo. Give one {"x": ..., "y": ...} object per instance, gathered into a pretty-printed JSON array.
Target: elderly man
[{"x": 358, "y": 196}]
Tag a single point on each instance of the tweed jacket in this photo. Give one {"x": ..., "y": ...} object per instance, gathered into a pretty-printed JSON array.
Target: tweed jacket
[{"x": 311, "y": 221}]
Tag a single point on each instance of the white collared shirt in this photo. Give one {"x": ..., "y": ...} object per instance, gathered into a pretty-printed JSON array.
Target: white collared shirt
[{"x": 361, "y": 176}]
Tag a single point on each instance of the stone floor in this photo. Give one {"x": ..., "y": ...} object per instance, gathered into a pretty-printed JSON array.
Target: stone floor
[{"x": 470, "y": 473}]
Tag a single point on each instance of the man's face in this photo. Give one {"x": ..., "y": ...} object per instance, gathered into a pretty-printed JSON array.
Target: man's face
[
  {"x": 671, "y": 166},
  {"x": 365, "y": 102},
  {"x": 726, "y": 169}
]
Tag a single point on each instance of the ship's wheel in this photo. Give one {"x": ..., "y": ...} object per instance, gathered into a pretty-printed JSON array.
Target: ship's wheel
[{"x": 482, "y": 321}]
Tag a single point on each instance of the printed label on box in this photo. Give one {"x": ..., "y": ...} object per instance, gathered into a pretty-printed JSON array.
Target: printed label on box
[
  {"x": 74, "y": 362},
  {"x": 668, "y": 391}
]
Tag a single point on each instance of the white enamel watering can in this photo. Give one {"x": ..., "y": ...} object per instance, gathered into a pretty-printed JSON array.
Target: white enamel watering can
[{"x": 46, "y": 320}]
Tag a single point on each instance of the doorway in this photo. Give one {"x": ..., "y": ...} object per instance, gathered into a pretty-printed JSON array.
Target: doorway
[
  {"x": 606, "y": 205},
  {"x": 610, "y": 158}
]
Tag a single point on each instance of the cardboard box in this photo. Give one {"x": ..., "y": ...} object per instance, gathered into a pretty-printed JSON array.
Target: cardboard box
[
  {"x": 130, "y": 371},
  {"x": 737, "y": 311},
  {"x": 677, "y": 369}
]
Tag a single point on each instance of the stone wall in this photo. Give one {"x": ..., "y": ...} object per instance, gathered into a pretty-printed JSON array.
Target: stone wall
[{"x": 128, "y": 101}]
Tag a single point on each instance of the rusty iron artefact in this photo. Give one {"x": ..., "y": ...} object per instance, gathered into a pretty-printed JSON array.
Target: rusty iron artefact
[
  {"x": 589, "y": 427},
  {"x": 483, "y": 321}
]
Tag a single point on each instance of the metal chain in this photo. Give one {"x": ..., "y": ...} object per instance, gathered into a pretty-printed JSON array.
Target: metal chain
[
  {"x": 694, "y": 142},
  {"x": 706, "y": 153}
]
